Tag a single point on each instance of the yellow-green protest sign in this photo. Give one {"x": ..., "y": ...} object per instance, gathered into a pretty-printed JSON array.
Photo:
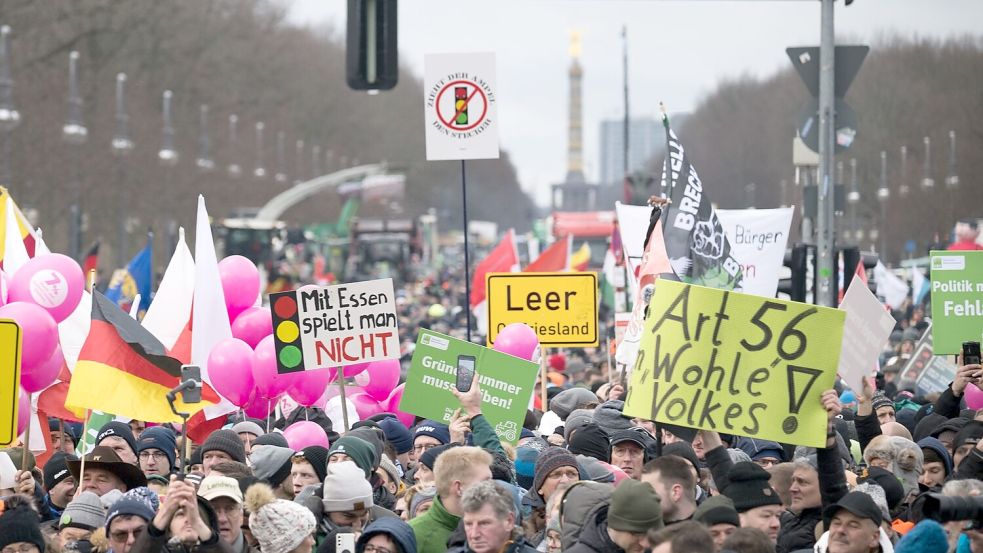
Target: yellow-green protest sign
[
  {"x": 10, "y": 344},
  {"x": 736, "y": 363},
  {"x": 560, "y": 307}
]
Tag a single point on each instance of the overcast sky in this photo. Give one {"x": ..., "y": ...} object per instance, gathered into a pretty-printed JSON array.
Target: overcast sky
[{"x": 678, "y": 52}]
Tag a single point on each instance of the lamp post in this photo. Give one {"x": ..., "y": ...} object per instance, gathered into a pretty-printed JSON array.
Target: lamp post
[
  {"x": 204, "y": 162},
  {"x": 75, "y": 133},
  {"x": 9, "y": 116},
  {"x": 299, "y": 163},
  {"x": 281, "y": 158},
  {"x": 233, "y": 169},
  {"x": 167, "y": 155},
  {"x": 952, "y": 179},
  {"x": 883, "y": 194},
  {"x": 259, "y": 172},
  {"x": 853, "y": 198},
  {"x": 121, "y": 145},
  {"x": 927, "y": 181},
  {"x": 903, "y": 189}
]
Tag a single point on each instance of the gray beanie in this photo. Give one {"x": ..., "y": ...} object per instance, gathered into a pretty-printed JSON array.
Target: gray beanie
[
  {"x": 577, "y": 420},
  {"x": 269, "y": 463},
  {"x": 566, "y": 401},
  {"x": 85, "y": 512},
  {"x": 609, "y": 416},
  {"x": 248, "y": 427}
]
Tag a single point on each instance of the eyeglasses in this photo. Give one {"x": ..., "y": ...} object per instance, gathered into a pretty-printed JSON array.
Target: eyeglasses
[
  {"x": 26, "y": 548},
  {"x": 119, "y": 536},
  {"x": 766, "y": 462},
  {"x": 156, "y": 455},
  {"x": 423, "y": 447},
  {"x": 376, "y": 549}
]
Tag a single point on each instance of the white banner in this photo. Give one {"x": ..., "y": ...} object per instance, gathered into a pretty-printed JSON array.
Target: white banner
[
  {"x": 633, "y": 222},
  {"x": 459, "y": 99},
  {"x": 758, "y": 238},
  {"x": 867, "y": 328}
]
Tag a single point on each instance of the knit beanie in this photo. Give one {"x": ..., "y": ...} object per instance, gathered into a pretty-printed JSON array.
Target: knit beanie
[
  {"x": 120, "y": 430},
  {"x": 928, "y": 536},
  {"x": 17, "y": 457},
  {"x": 56, "y": 469},
  {"x": 360, "y": 451},
  {"x": 759, "y": 449},
  {"x": 525, "y": 465},
  {"x": 277, "y": 524},
  {"x": 159, "y": 437},
  {"x": 346, "y": 488},
  {"x": 20, "y": 523},
  {"x": 548, "y": 461},
  {"x": 317, "y": 456},
  {"x": 375, "y": 438},
  {"x": 248, "y": 427},
  {"x": 877, "y": 494},
  {"x": 893, "y": 490},
  {"x": 398, "y": 435},
  {"x": 226, "y": 441},
  {"x": 273, "y": 438},
  {"x": 390, "y": 469},
  {"x": 609, "y": 416},
  {"x": 131, "y": 503},
  {"x": 434, "y": 429},
  {"x": 422, "y": 496},
  {"x": 594, "y": 469},
  {"x": 880, "y": 400},
  {"x": 635, "y": 507},
  {"x": 748, "y": 487},
  {"x": 271, "y": 463},
  {"x": 429, "y": 457},
  {"x": 566, "y": 401},
  {"x": 718, "y": 509},
  {"x": 591, "y": 440},
  {"x": 84, "y": 512},
  {"x": 577, "y": 420}
]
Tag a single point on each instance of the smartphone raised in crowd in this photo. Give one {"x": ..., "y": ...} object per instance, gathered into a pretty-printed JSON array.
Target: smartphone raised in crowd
[
  {"x": 345, "y": 543},
  {"x": 465, "y": 372},
  {"x": 971, "y": 353},
  {"x": 191, "y": 372}
]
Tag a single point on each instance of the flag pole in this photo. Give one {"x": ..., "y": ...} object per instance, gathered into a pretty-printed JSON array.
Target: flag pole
[
  {"x": 670, "y": 183},
  {"x": 542, "y": 377},
  {"x": 344, "y": 400},
  {"x": 85, "y": 434},
  {"x": 467, "y": 259}
]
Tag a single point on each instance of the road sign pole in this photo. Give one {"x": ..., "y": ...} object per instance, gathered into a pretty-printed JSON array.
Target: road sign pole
[
  {"x": 825, "y": 230},
  {"x": 467, "y": 258}
]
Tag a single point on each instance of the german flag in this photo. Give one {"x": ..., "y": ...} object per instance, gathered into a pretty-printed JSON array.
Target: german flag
[{"x": 123, "y": 369}]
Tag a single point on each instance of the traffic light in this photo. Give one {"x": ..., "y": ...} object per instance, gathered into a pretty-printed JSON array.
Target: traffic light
[
  {"x": 372, "y": 61},
  {"x": 852, "y": 257},
  {"x": 797, "y": 260}
]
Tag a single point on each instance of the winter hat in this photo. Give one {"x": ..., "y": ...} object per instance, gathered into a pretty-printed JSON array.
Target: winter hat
[
  {"x": 927, "y": 536},
  {"x": 591, "y": 440},
  {"x": 271, "y": 463},
  {"x": 909, "y": 463},
  {"x": 635, "y": 507},
  {"x": 226, "y": 441},
  {"x": 609, "y": 417},
  {"x": 346, "y": 488},
  {"x": 718, "y": 509},
  {"x": 277, "y": 524},
  {"x": 594, "y": 469},
  {"x": 397, "y": 434},
  {"x": 738, "y": 456},
  {"x": 934, "y": 452},
  {"x": 84, "y": 512},
  {"x": 109, "y": 498},
  {"x": 17, "y": 455},
  {"x": 158, "y": 437},
  {"x": 120, "y": 430},
  {"x": 684, "y": 450},
  {"x": 877, "y": 494},
  {"x": 637, "y": 436},
  {"x": 857, "y": 503},
  {"x": 925, "y": 426},
  {"x": 214, "y": 486},
  {"x": 760, "y": 449},
  {"x": 56, "y": 469},
  {"x": 568, "y": 400},
  {"x": 375, "y": 438},
  {"x": 880, "y": 400},
  {"x": 548, "y": 461},
  {"x": 969, "y": 434},
  {"x": 390, "y": 469},
  {"x": 317, "y": 456},
  {"x": 131, "y": 503},
  {"x": 749, "y": 488},
  {"x": 434, "y": 429},
  {"x": 525, "y": 465},
  {"x": 56, "y": 425},
  {"x": 20, "y": 523},
  {"x": 360, "y": 451},
  {"x": 429, "y": 456},
  {"x": 248, "y": 427},
  {"x": 397, "y": 530},
  {"x": 893, "y": 490},
  {"x": 104, "y": 457},
  {"x": 273, "y": 438},
  {"x": 422, "y": 496},
  {"x": 577, "y": 420}
]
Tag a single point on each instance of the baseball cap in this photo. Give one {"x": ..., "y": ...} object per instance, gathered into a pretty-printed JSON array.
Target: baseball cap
[{"x": 214, "y": 486}]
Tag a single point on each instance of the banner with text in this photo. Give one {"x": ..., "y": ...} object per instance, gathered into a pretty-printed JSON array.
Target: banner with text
[
  {"x": 334, "y": 326},
  {"x": 758, "y": 238},
  {"x": 560, "y": 307},
  {"x": 736, "y": 363},
  {"x": 868, "y": 327},
  {"x": 459, "y": 99},
  {"x": 931, "y": 373},
  {"x": 957, "y": 299},
  {"x": 506, "y": 382}
]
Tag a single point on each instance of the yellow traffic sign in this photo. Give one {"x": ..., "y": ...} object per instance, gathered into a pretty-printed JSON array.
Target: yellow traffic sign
[
  {"x": 10, "y": 344},
  {"x": 560, "y": 307}
]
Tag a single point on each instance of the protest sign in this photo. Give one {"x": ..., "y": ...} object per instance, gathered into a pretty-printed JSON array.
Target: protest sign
[
  {"x": 931, "y": 373},
  {"x": 10, "y": 344},
  {"x": 867, "y": 328},
  {"x": 758, "y": 238},
  {"x": 633, "y": 222},
  {"x": 332, "y": 326},
  {"x": 459, "y": 96},
  {"x": 957, "y": 298},
  {"x": 506, "y": 382},
  {"x": 560, "y": 307},
  {"x": 736, "y": 363}
]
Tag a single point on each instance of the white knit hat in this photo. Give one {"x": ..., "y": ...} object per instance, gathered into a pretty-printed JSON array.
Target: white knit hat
[
  {"x": 279, "y": 525},
  {"x": 346, "y": 489}
]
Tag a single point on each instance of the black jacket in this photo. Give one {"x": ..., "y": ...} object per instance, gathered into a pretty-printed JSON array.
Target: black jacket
[
  {"x": 594, "y": 535},
  {"x": 799, "y": 531}
]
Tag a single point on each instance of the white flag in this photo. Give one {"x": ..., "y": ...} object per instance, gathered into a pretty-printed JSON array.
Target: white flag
[{"x": 171, "y": 309}]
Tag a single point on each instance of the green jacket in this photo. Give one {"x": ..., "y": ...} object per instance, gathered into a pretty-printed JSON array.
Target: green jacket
[{"x": 433, "y": 527}]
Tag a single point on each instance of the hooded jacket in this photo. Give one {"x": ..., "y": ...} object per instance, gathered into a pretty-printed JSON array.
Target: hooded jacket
[
  {"x": 396, "y": 529},
  {"x": 799, "y": 531},
  {"x": 594, "y": 536},
  {"x": 935, "y": 445},
  {"x": 578, "y": 502}
]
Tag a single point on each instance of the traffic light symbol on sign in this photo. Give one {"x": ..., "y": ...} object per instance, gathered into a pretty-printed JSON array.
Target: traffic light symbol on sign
[
  {"x": 286, "y": 332},
  {"x": 461, "y": 105}
]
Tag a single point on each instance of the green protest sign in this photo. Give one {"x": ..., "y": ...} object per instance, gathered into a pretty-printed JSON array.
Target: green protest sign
[
  {"x": 957, "y": 299},
  {"x": 506, "y": 382},
  {"x": 736, "y": 363}
]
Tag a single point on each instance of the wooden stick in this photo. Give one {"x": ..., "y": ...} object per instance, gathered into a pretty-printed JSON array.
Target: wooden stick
[
  {"x": 91, "y": 284},
  {"x": 85, "y": 434},
  {"x": 27, "y": 439},
  {"x": 542, "y": 385},
  {"x": 344, "y": 400}
]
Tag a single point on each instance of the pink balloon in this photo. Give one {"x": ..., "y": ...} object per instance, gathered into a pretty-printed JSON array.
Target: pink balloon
[
  {"x": 974, "y": 397},
  {"x": 269, "y": 383},
  {"x": 240, "y": 283},
  {"x": 518, "y": 340},
  {"x": 230, "y": 368},
  {"x": 258, "y": 407},
  {"x": 308, "y": 389},
  {"x": 252, "y": 325},
  {"x": 379, "y": 378},
  {"x": 52, "y": 281},
  {"x": 352, "y": 370},
  {"x": 392, "y": 406},
  {"x": 23, "y": 411},
  {"x": 40, "y": 332},
  {"x": 43, "y": 375},
  {"x": 365, "y": 405},
  {"x": 302, "y": 434}
]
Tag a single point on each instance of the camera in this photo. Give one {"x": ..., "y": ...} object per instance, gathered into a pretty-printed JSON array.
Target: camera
[{"x": 943, "y": 508}]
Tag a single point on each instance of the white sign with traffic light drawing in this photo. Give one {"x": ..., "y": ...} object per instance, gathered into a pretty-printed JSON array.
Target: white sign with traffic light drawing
[
  {"x": 867, "y": 328},
  {"x": 459, "y": 105}
]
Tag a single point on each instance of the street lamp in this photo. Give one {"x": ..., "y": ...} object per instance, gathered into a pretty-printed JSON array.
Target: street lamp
[
  {"x": 167, "y": 155},
  {"x": 9, "y": 116},
  {"x": 952, "y": 179},
  {"x": 281, "y": 158},
  {"x": 204, "y": 162},
  {"x": 121, "y": 143},
  {"x": 233, "y": 169},
  {"x": 883, "y": 194},
  {"x": 903, "y": 189},
  {"x": 927, "y": 181},
  {"x": 853, "y": 198},
  {"x": 74, "y": 132},
  {"x": 260, "y": 171},
  {"x": 121, "y": 146},
  {"x": 299, "y": 163}
]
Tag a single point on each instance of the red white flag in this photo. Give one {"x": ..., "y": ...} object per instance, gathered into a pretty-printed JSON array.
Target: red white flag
[
  {"x": 555, "y": 258},
  {"x": 502, "y": 259}
]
